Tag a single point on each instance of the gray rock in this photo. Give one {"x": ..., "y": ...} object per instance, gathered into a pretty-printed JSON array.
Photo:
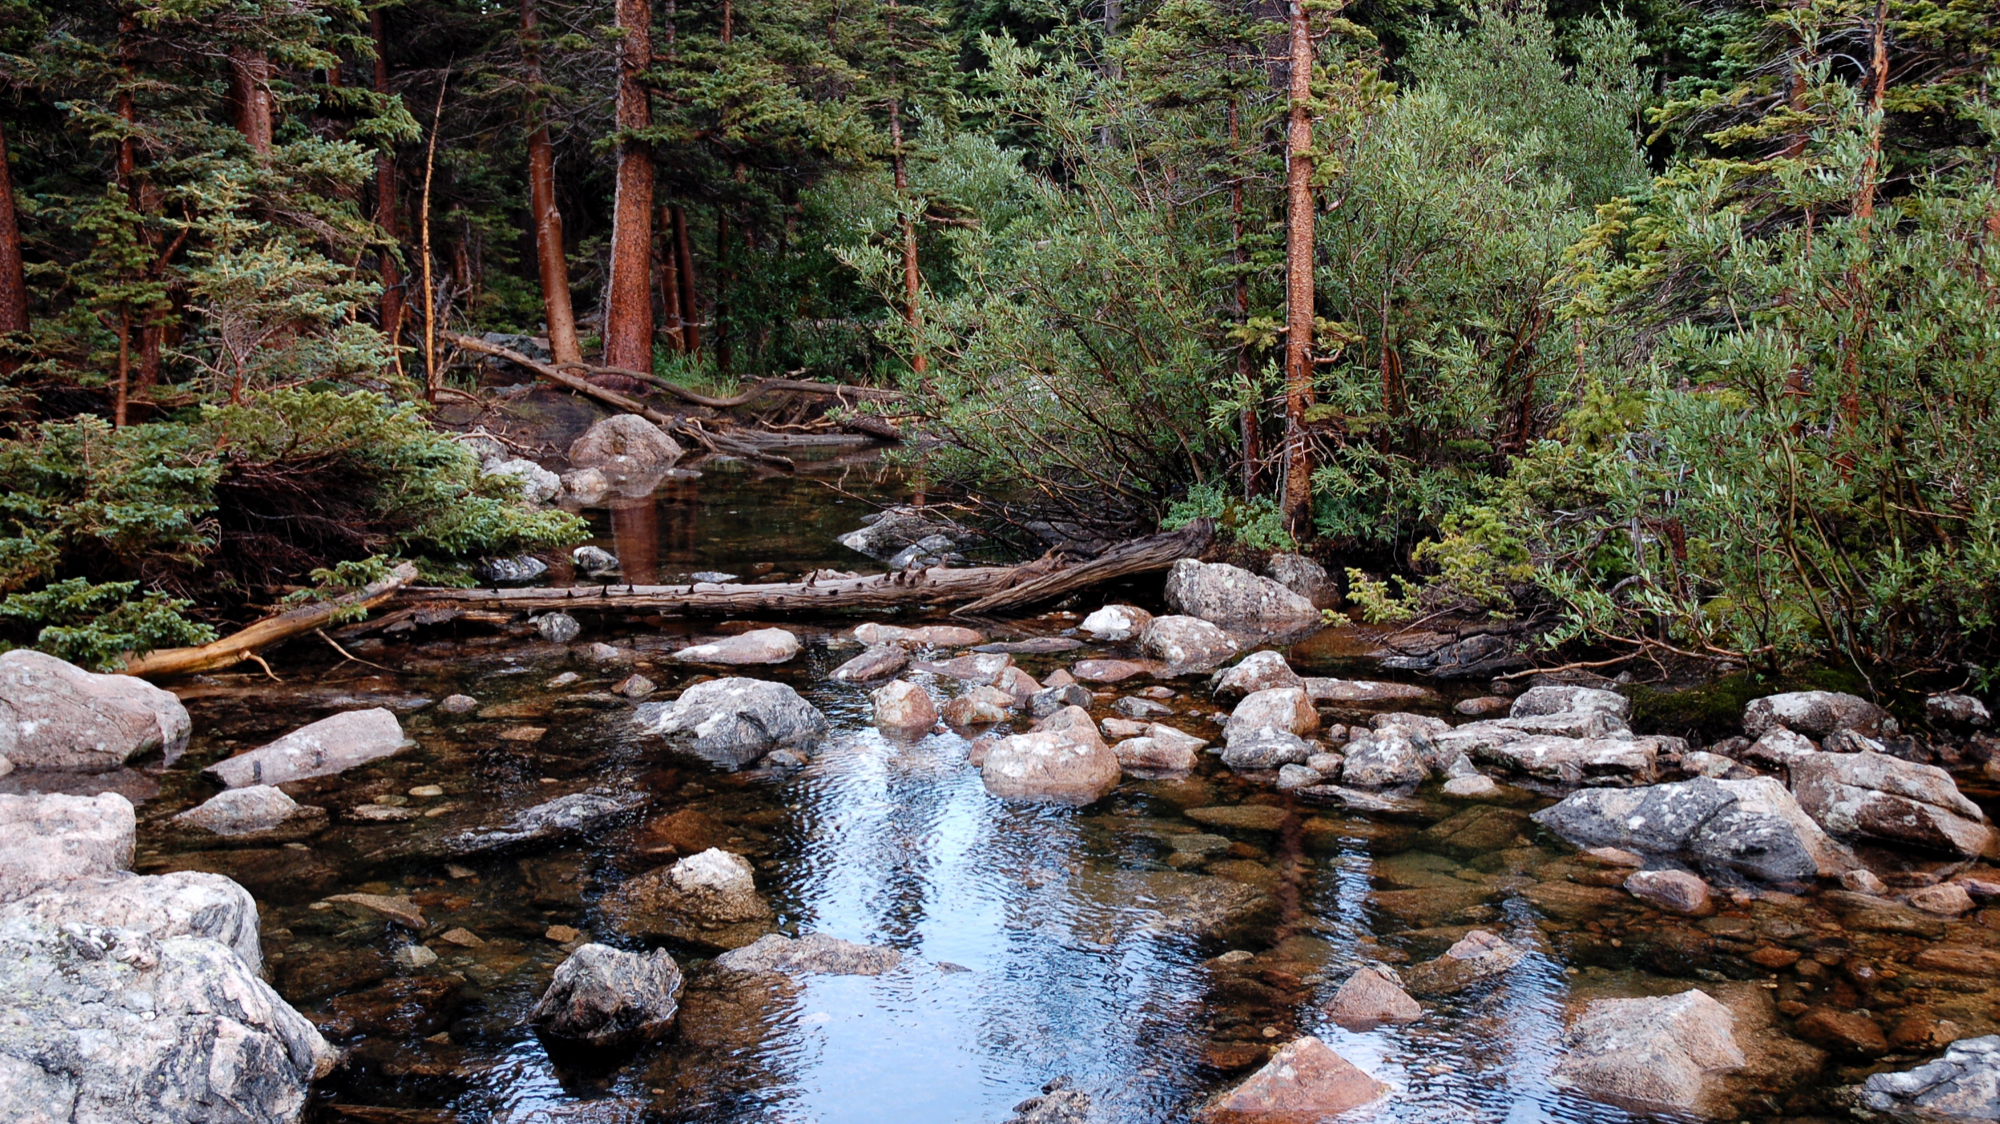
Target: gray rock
[
  {"x": 903, "y": 708},
  {"x": 255, "y": 812},
  {"x": 1281, "y": 708},
  {"x": 55, "y": 715},
  {"x": 879, "y": 661},
  {"x": 899, "y": 528},
  {"x": 1874, "y": 796},
  {"x": 1650, "y": 1053},
  {"x": 605, "y": 997},
  {"x": 735, "y": 721},
  {"x": 1473, "y": 657},
  {"x": 1064, "y": 759},
  {"x": 1964, "y": 1084},
  {"x": 1579, "y": 761},
  {"x": 1048, "y": 700},
  {"x": 758, "y": 646},
  {"x": 708, "y": 899},
  {"x": 1258, "y": 671},
  {"x": 595, "y": 562},
  {"x": 1223, "y": 594},
  {"x": 558, "y": 628},
  {"x": 1754, "y": 826},
  {"x": 1203, "y": 906},
  {"x": 1371, "y": 997},
  {"x": 1957, "y": 710},
  {"x": 812, "y": 954},
  {"x": 1421, "y": 725},
  {"x": 323, "y": 749},
  {"x": 625, "y": 445},
  {"x": 181, "y": 904},
  {"x": 1116, "y": 623},
  {"x": 1477, "y": 957},
  {"x": 1059, "y": 1103},
  {"x": 1813, "y": 713},
  {"x": 1266, "y": 747},
  {"x": 511, "y": 571},
  {"x": 105, "y": 1024},
  {"x": 53, "y": 839},
  {"x": 1386, "y": 759},
  {"x": 1306, "y": 578},
  {"x": 1364, "y": 691},
  {"x": 537, "y": 484},
  {"x": 1298, "y": 776},
  {"x": 1536, "y": 701},
  {"x": 1778, "y": 748},
  {"x": 1133, "y": 706},
  {"x": 551, "y": 820},
  {"x": 1186, "y": 644}
]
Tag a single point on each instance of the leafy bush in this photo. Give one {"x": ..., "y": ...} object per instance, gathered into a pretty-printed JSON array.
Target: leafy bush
[{"x": 1256, "y": 524}]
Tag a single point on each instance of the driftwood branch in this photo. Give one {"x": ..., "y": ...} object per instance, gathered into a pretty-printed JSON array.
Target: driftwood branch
[
  {"x": 240, "y": 646},
  {"x": 978, "y": 588}
]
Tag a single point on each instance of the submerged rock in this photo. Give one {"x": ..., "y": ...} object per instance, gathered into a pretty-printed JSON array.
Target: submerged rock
[
  {"x": 55, "y": 715},
  {"x": 812, "y": 954},
  {"x": 709, "y": 899},
  {"x": 1754, "y": 826},
  {"x": 1059, "y": 1103},
  {"x": 558, "y": 628},
  {"x": 107, "y": 1024},
  {"x": 551, "y": 820},
  {"x": 1064, "y": 760},
  {"x": 1964, "y": 1084},
  {"x": 758, "y": 646},
  {"x": 1223, "y": 594},
  {"x": 1874, "y": 796},
  {"x": 1650, "y": 1053},
  {"x": 257, "y": 813},
  {"x": 1115, "y": 623},
  {"x": 735, "y": 721},
  {"x": 1304, "y": 1081},
  {"x": 1477, "y": 957},
  {"x": 52, "y": 839},
  {"x": 606, "y": 997},
  {"x": 322, "y": 749}
]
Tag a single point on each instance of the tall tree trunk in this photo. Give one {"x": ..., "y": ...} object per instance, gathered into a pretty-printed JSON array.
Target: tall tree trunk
[
  {"x": 1878, "y": 78},
  {"x": 1251, "y": 425},
  {"x": 391, "y": 316},
  {"x": 668, "y": 268},
  {"x": 250, "y": 92},
  {"x": 725, "y": 352},
  {"x": 13, "y": 283},
  {"x": 912, "y": 279},
  {"x": 542, "y": 201},
  {"x": 684, "y": 261},
  {"x": 145, "y": 202},
  {"x": 628, "y": 304},
  {"x": 1299, "y": 278}
]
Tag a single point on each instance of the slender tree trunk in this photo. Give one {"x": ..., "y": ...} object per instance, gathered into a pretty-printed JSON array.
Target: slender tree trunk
[
  {"x": 1251, "y": 425},
  {"x": 668, "y": 267},
  {"x": 1299, "y": 278},
  {"x": 432, "y": 376},
  {"x": 145, "y": 202},
  {"x": 250, "y": 91},
  {"x": 913, "y": 281},
  {"x": 1878, "y": 77},
  {"x": 724, "y": 346},
  {"x": 13, "y": 283},
  {"x": 391, "y": 316},
  {"x": 628, "y": 303},
  {"x": 542, "y": 201},
  {"x": 684, "y": 262}
]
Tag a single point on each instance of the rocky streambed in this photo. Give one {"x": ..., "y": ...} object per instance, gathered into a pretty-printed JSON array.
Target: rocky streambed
[{"x": 1092, "y": 865}]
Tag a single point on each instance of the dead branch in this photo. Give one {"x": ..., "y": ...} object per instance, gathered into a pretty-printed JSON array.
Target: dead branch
[{"x": 240, "y": 646}]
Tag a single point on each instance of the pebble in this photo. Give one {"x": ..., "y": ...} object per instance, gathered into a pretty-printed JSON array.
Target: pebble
[
  {"x": 463, "y": 938},
  {"x": 636, "y": 687},
  {"x": 522, "y": 734},
  {"x": 426, "y": 791},
  {"x": 460, "y": 872},
  {"x": 561, "y": 934},
  {"x": 459, "y": 704},
  {"x": 412, "y": 957},
  {"x": 565, "y": 679}
]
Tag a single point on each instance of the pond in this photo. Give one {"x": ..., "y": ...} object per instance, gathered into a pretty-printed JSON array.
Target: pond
[{"x": 1151, "y": 948}]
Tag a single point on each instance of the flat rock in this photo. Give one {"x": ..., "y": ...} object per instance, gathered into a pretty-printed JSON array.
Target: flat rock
[
  {"x": 881, "y": 661},
  {"x": 1574, "y": 761},
  {"x": 1239, "y": 817},
  {"x": 609, "y": 998},
  {"x": 1228, "y": 595},
  {"x": 812, "y": 954},
  {"x": 55, "y": 715},
  {"x": 400, "y": 910},
  {"x": 929, "y": 635},
  {"x": 982, "y": 668},
  {"x": 1754, "y": 826},
  {"x": 1964, "y": 1084},
  {"x": 733, "y": 722},
  {"x": 180, "y": 904},
  {"x": 758, "y": 646},
  {"x": 325, "y": 748},
  {"x": 1362, "y": 692},
  {"x": 1111, "y": 671},
  {"x": 1658, "y": 1053},
  {"x": 1875, "y": 796},
  {"x": 1304, "y": 1082},
  {"x": 1539, "y": 701},
  {"x": 52, "y": 839},
  {"x": 1202, "y": 906}
]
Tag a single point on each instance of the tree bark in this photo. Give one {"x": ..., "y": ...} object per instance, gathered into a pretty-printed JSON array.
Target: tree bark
[
  {"x": 1251, "y": 425},
  {"x": 1878, "y": 78},
  {"x": 1299, "y": 278},
  {"x": 628, "y": 304},
  {"x": 684, "y": 262},
  {"x": 250, "y": 91},
  {"x": 542, "y": 202},
  {"x": 13, "y": 282},
  {"x": 391, "y": 315},
  {"x": 912, "y": 279},
  {"x": 667, "y": 265}
]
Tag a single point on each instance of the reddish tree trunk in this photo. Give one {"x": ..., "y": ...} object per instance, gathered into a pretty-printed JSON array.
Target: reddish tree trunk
[
  {"x": 684, "y": 262},
  {"x": 13, "y": 283},
  {"x": 542, "y": 202},
  {"x": 1299, "y": 278},
  {"x": 1878, "y": 76},
  {"x": 250, "y": 93},
  {"x": 628, "y": 304},
  {"x": 385, "y": 194}
]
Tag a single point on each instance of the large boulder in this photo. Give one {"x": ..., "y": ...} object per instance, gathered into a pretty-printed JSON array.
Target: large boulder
[
  {"x": 1537, "y": 701},
  {"x": 900, "y": 528},
  {"x": 623, "y": 446},
  {"x": 1116, "y": 623},
  {"x": 709, "y": 900},
  {"x": 55, "y": 715},
  {"x": 1186, "y": 644},
  {"x": 181, "y": 904},
  {"x": 1657, "y": 1053},
  {"x": 1258, "y": 671},
  {"x": 1228, "y": 595},
  {"x": 1754, "y": 826},
  {"x": 1813, "y": 713},
  {"x": 322, "y": 749},
  {"x": 762, "y": 645},
  {"x": 608, "y": 998},
  {"x": 735, "y": 721},
  {"x": 1306, "y": 578},
  {"x": 52, "y": 839},
  {"x": 1304, "y": 1081},
  {"x": 1964, "y": 1084},
  {"x": 1875, "y": 796},
  {"x": 1064, "y": 759},
  {"x": 105, "y": 1024}
]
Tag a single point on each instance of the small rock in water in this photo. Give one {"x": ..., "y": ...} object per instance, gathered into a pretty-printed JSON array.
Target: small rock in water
[
  {"x": 636, "y": 687},
  {"x": 402, "y": 911},
  {"x": 459, "y": 704},
  {"x": 1948, "y": 899},
  {"x": 1059, "y": 1103},
  {"x": 606, "y": 997},
  {"x": 1471, "y": 788},
  {"x": 509, "y": 571},
  {"x": 427, "y": 791},
  {"x": 783, "y": 759},
  {"x": 558, "y": 628},
  {"x": 564, "y": 680},
  {"x": 414, "y": 957},
  {"x": 322, "y": 749},
  {"x": 1371, "y": 997},
  {"x": 463, "y": 938},
  {"x": 713, "y": 577},
  {"x": 1297, "y": 776},
  {"x": 1135, "y": 707},
  {"x": 903, "y": 709},
  {"x": 600, "y": 652},
  {"x": 241, "y": 811},
  {"x": 758, "y": 646},
  {"x": 1676, "y": 891},
  {"x": 1482, "y": 706},
  {"x": 561, "y": 934},
  {"x": 878, "y": 661},
  {"x": 1657, "y": 1052},
  {"x": 595, "y": 561},
  {"x": 1048, "y": 700},
  {"x": 1305, "y": 1080}
]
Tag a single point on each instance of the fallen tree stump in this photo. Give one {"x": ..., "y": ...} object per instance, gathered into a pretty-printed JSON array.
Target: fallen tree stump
[
  {"x": 976, "y": 588},
  {"x": 239, "y": 646}
]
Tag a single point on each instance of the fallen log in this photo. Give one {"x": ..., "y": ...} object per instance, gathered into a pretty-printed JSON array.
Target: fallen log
[
  {"x": 239, "y": 646},
  {"x": 758, "y": 389},
  {"x": 977, "y": 588}
]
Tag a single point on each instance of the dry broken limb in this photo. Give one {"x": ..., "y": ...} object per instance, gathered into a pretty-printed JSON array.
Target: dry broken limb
[
  {"x": 975, "y": 588},
  {"x": 240, "y": 646}
]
